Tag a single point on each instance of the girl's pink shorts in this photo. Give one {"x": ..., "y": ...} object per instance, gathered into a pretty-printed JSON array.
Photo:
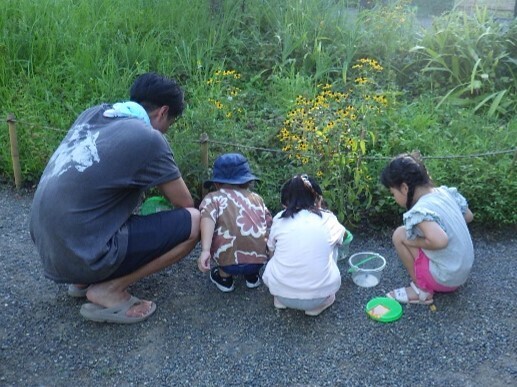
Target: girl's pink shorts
[{"x": 424, "y": 278}]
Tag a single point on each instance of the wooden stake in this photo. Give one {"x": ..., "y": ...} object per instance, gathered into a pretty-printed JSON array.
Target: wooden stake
[
  {"x": 203, "y": 140},
  {"x": 15, "y": 156}
]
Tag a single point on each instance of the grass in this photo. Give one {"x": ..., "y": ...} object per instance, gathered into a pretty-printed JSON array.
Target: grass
[{"x": 57, "y": 59}]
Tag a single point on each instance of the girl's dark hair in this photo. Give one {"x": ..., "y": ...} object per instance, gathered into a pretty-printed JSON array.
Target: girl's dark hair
[
  {"x": 406, "y": 168},
  {"x": 301, "y": 192}
]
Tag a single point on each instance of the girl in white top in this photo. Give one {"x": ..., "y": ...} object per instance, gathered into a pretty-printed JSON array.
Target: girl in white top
[
  {"x": 302, "y": 273},
  {"x": 434, "y": 244}
]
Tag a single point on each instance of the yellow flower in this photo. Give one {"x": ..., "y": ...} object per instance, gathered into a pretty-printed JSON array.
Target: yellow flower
[{"x": 302, "y": 145}]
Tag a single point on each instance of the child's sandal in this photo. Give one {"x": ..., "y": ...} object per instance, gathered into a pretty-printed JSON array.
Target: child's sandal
[
  {"x": 401, "y": 295},
  {"x": 424, "y": 297}
]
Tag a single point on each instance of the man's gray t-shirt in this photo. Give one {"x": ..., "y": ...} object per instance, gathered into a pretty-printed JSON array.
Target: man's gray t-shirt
[{"x": 89, "y": 189}]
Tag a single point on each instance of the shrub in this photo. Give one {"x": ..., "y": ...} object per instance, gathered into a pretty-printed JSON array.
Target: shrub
[
  {"x": 328, "y": 136},
  {"x": 57, "y": 59},
  {"x": 467, "y": 60},
  {"x": 449, "y": 140}
]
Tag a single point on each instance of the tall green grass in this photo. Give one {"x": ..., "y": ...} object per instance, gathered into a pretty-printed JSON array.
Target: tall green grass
[{"x": 58, "y": 57}]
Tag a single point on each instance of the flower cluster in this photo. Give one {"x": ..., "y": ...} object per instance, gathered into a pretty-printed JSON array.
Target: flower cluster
[
  {"x": 365, "y": 66},
  {"x": 327, "y": 135},
  {"x": 333, "y": 121},
  {"x": 223, "y": 93}
]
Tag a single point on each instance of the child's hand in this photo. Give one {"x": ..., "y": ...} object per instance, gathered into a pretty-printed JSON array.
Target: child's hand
[{"x": 203, "y": 262}]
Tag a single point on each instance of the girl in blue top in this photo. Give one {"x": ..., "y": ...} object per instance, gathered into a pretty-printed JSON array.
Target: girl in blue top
[{"x": 434, "y": 244}]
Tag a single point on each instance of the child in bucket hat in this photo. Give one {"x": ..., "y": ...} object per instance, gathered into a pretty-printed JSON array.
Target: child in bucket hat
[{"x": 234, "y": 225}]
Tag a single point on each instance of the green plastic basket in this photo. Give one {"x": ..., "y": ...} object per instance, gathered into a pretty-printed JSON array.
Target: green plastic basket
[{"x": 154, "y": 204}]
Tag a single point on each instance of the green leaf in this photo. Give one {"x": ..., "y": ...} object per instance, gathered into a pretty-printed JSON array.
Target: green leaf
[
  {"x": 362, "y": 144},
  {"x": 474, "y": 84},
  {"x": 495, "y": 104}
]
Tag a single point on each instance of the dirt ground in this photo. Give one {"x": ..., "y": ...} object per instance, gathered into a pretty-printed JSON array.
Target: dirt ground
[{"x": 202, "y": 337}]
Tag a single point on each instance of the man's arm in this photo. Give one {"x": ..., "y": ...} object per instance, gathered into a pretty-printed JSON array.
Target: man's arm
[{"x": 177, "y": 193}]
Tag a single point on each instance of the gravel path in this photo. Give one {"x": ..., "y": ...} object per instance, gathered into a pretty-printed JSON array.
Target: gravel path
[{"x": 201, "y": 337}]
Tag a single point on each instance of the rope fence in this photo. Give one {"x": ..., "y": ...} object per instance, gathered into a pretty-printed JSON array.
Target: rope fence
[
  {"x": 473, "y": 155},
  {"x": 204, "y": 142}
]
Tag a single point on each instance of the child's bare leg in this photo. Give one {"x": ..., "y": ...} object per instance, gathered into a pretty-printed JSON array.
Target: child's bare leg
[{"x": 407, "y": 254}]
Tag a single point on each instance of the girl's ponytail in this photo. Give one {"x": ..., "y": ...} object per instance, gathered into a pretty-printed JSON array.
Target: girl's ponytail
[{"x": 406, "y": 168}]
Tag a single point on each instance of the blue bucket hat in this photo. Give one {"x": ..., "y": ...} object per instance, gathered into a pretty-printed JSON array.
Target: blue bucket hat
[{"x": 231, "y": 168}]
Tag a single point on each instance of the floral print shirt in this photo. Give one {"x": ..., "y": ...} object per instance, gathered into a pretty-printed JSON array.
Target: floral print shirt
[{"x": 242, "y": 223}]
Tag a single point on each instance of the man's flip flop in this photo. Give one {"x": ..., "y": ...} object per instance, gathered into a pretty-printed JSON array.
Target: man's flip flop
[
  {"x": 401, "y": 296},
  {"x": 76, "y": 291},
  {"x": 116, "y": 314}
]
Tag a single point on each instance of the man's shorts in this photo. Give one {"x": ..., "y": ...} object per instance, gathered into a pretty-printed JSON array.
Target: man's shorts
[
  {"x": 424, "y": 278},
  {"x": 151, "y": 236}
]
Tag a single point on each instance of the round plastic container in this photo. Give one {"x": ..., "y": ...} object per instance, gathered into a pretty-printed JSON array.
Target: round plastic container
[
  {"x": 384, "y": 309},
  {"x": 366, "y": 268}
]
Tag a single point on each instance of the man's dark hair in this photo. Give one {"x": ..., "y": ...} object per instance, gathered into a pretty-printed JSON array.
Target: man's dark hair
[{"x": 153, "y": 91}]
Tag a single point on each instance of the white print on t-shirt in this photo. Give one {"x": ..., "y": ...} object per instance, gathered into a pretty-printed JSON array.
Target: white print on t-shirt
[{"x": 79, "y": 152}]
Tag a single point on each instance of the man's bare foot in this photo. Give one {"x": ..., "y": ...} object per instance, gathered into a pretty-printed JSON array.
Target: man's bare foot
[
  {"x": 77, "y": 290},
  {"x": 140, "y": 310},
  {"x": 107, "y": 295}
]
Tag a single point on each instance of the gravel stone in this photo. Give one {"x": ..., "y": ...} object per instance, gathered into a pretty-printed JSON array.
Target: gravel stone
[{"x": 202, "y": 337}]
